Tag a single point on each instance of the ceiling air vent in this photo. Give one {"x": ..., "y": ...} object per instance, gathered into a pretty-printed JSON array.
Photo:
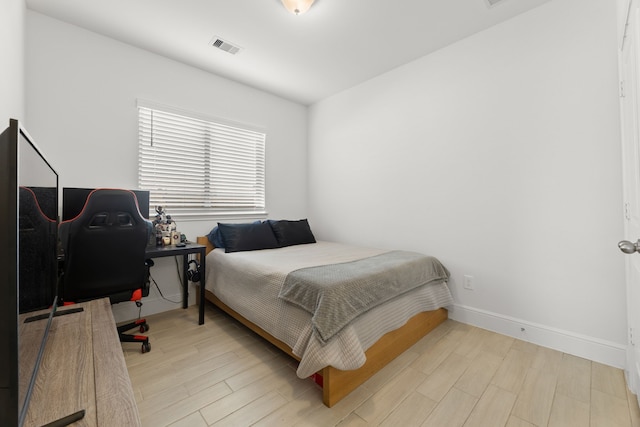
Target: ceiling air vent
[{"x": 225, "y": 45}]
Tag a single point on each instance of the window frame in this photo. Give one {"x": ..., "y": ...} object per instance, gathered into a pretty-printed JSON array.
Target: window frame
[{"x": 241, "y": 178}]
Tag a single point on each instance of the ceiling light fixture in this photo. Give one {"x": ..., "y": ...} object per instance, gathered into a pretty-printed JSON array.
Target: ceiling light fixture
[{"x": 297, "y": 6}]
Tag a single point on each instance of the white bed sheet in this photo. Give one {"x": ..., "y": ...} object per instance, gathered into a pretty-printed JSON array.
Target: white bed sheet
[{"x": 249, "y": 283}]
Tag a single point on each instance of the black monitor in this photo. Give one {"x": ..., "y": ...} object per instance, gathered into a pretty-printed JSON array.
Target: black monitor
[
  {"x": 28, "y": 263},
  {"x": 73, "y": 200}
]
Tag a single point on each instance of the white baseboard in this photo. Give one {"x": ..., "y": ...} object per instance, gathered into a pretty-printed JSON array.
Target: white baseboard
[
  {"x": 150, "y": 305},
  {"x": 602, "y": 351}
]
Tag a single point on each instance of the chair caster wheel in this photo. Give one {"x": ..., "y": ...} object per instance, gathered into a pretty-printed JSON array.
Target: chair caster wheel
[
  {"x": 146, "y": 347},
  {"x": 144, "y": 328}
]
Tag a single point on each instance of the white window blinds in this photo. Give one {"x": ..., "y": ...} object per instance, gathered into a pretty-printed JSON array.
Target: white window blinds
[{"x": 200, "y": 168}]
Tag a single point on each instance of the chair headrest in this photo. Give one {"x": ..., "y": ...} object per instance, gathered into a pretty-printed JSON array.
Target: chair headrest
[{"x": 110, "y": 207}]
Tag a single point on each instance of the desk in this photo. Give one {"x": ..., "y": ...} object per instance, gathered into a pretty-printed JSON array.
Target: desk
[
  {"x": 185, "y": 251},
  {"x": 83, "y": 368}
]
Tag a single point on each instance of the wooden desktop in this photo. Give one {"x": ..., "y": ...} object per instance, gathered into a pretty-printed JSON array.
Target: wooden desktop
[{"x": 83, "y": 368}]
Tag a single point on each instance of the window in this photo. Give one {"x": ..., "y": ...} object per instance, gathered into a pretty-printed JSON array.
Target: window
[{"x": 199, "y": 168}]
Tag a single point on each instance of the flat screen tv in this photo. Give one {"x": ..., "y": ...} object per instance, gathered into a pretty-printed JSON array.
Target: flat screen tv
[
  {"x": 73, "y": 200},
  {"x": 28, "y": 263}
]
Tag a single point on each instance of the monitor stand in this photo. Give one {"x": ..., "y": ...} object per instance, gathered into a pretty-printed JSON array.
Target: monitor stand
[
  {"x": 58, "y": 313},
  {"x": 69, "y": 419}
]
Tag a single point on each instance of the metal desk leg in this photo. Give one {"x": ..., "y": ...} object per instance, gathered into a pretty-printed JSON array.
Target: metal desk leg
[
  {"x": 203, "y": 269},
  {"x": 185, "y": 280}
]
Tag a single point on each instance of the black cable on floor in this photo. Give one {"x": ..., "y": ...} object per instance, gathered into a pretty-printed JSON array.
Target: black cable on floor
[{"x": 158, "y": 287}]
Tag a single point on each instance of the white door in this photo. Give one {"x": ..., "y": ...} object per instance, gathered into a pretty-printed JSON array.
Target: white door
[{"x": 629, "y": 69}]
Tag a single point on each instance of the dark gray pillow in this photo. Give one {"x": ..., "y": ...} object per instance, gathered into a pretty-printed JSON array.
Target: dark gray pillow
[
  {"x": 290, "y": 233},
  {"x": 215, "y": 238},
  {"x": 247, "y": 236}
]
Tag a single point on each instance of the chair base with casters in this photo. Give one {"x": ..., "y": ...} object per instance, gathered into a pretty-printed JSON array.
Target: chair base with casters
[{"x": 140, "y": 323}]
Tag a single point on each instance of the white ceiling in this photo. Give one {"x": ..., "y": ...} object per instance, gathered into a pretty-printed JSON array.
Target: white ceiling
[{"x": 336, "y": 45}]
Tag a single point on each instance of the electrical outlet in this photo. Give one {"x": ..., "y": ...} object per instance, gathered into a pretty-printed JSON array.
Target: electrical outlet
[{"x": 467, "y": 282}]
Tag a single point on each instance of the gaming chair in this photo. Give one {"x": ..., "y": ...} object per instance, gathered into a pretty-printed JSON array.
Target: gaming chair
[{"x": 104, "y": 254}]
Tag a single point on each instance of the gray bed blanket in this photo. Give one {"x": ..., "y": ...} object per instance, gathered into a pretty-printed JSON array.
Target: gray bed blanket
[{"x": 335, "y": 294}]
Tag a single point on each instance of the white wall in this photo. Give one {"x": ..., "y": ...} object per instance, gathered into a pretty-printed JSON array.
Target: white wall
[
  {"x": 499, "y": 154},
  {"x": 81, "y": 106},
  {"x": 623, "y": 8},
  {"x": 12, "y": 28}
]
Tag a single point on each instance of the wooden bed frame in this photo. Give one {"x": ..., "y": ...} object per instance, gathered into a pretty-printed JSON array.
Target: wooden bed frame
[{"x": 336, "y": 384}]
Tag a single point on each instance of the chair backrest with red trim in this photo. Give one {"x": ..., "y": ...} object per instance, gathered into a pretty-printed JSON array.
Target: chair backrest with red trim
[{"x": 104, "y": 248}]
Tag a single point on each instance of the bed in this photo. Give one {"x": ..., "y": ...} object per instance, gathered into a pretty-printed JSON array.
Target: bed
[{"x": 249, "y": 285}]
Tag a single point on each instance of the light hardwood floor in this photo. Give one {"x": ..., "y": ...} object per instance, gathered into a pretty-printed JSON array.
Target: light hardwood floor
[{"x": 222, "y": 374}]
